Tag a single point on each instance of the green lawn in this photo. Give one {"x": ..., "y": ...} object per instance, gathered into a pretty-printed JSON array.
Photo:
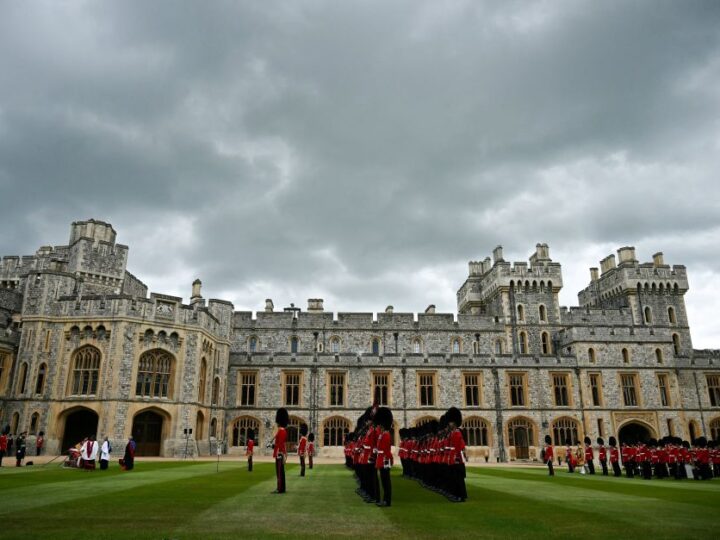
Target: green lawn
[{"x": 191, "y": 500}]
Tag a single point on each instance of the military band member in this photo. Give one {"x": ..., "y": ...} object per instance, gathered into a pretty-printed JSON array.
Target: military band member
[
  {"x": 589, "y": 456},
  {"x": 311, "y": 450},
  {"x": 282, "y": 419},
  {"x": 548, "y": 456},
  {"x": 383, "y": 456},
  {"x": 302, "y": 448},
  {"x": 250, "y": 448},
  {"x": 602, "y": 455}
]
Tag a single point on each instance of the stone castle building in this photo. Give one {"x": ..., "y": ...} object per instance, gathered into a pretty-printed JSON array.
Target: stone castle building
[{"x": 84, "y": 349}]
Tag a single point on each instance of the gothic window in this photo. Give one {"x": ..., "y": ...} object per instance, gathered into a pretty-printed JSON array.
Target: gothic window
[
  {"x": 22, "y": 378},
  {"x": 671, "y": 315},
  {"x": 34, "y": 421},
  {"x": 417, "y": 346},
  {"x": 523, "y": 343},
  {"x": 476, "y": 347},
  {"x": 14, "y": 423},
  {"x": 475, "y": 431},
  {"x": 648, "y": 315},
  {"x": 252, "y": 344},
  {"x": 294, "y": 344},
  {"x": 336, "y": 385},
  {"x": 471, "y": 384},
  {"x": 713, "y": 383},
  {"x": 565, "y": 430},
  {"x": 291, "y": 388},
  {"x": 381, "y": 388},
  {"x": 335, "y": 429},
  {"x": 85, "y": 374},
  {"x": 240, "y": 428},
  {"x": 596, "y": 389},
  {"x": 248, "y": 390},
  {"x": 426, "y": 385},
  {"x": 4, "y": 371},
  {"x": 199, "y": 426},
  {"x": 663, "y": 388},
  {"x": 517, "y": 382},
  {"x": 659, "y": 356},
  {"x": 498, "y": 346},
  {"x": 334, "y": 345},
  {"x": 715, "y": 429},
  {"x": 520, "y": 432},
  {"x": 40, "y": 382},
  {"x": 320, "y": 347},
  {"x": 591, "y": 355},
  {"x": 216, "y": 391},
  {"x": 630, "y": 389},
  {"x": 376, "y": 346},
  {"x": 202, "y": 381},
  {"x": 520, "y": 312},
  {"x": 456, "y": 346},
  {"x": 213, "y": 428},
  {"x": 154, "y": 377},
  {"x": 560, "y": 389},
  {"x": 625, "y": 356},
  {"x": 676, "y": 344},
  {"x": 542, "y": 313},
  {"x": 546, "y": 345}
]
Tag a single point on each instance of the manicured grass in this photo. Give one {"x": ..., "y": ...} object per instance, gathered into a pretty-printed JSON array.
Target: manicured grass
[{"x": 191, "y": 500}]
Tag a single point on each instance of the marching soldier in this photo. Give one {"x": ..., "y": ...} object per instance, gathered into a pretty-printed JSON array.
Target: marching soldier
[
  {"x": 302, "y": 447},
  {"x": 589, "y": 456},
  {"x": 569, "y": 456},
  {"x": 614, "y": 457},
  {"x": 250, "y": 448},
  {"x": 384, "y": 458},
  {"x": 602, "y": 455},
  {"x": 457, "y": 489},
  {"x": 282, "y": 419},
  {"x": 627, "y": 459},
  {"x": 548, "y": 456}
]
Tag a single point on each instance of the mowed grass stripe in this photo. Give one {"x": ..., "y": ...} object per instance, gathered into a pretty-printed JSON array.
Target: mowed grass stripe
[
  {"x": 322, "y": 504},
  {"x": 81, "y": 485}
]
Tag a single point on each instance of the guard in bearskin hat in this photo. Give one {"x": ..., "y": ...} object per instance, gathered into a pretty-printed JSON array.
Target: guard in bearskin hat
[
  {"x": 302, "y": 447},
  {"x": 282, "y": 419},
  {"x": 589, "y": 456},
  {"x": 457, "y": 456},
  {"x": 614, "y": 457},
  {"x": 602, "y": 455},
  {"x": 384, "y": 457},
  {"x": 549, "y": 455},
  {"x": 250, "y": 448}
]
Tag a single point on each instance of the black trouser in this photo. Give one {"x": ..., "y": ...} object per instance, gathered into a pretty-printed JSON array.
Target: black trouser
[
  {"x": 310, "y": 463},
  {"x": 603, "y": 464},
  {"x": 616, "y": 468},
  {"x": 374, "y": 485},
  {"x": 2, "y": 454},
  {"x": 103, "y": 464},
  {"x": 551, "y": 472},
  {"x": 302, "y": 465},
  {"x": 38, "y": 450},
  {"x": 630, "y": 469},
  {"x": 647, "y": 470},
  {"x": 249, "y": 463},
  {"x": 386, "y": 485},
  {"x": 457, "y": 474},
  {"x": 280, "y": 473},
  {"x": 591, "y": 466}
]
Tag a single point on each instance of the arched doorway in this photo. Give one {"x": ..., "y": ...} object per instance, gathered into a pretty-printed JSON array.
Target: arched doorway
[
  {"x": 147, "y": 432},
  {"x": 79, "y": 424},
  {"x": 521, "y": 436},
  {"x": 634, "y": 432}
]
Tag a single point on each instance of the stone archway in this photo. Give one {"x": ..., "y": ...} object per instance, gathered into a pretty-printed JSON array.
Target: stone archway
[
  {"x": 633, "y": 432},
  {"x": 147, "y": 430},
  {"x": 79, "y": 423}
]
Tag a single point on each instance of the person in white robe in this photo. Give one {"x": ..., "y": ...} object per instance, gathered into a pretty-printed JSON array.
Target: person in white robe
[{"x": 105, "y": 450}]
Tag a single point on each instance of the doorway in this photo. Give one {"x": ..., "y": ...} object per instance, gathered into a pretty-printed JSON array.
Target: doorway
[
  {"x": 147, "y": 432},
  {"x": 78, "y": 425},
  {"x": 634, "y": 432}
]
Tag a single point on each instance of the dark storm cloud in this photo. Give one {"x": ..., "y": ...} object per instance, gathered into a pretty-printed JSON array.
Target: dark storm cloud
[{"x": 364, "y": 152}]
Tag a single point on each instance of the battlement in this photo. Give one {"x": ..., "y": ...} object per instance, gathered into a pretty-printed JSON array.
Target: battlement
[{"x": 95, "y": 230}]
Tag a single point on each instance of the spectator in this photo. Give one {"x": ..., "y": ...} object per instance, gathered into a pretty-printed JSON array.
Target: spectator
[{"x": 105, "y": 451}]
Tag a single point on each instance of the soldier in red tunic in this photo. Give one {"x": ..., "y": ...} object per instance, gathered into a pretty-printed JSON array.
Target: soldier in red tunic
[
  {"x": 457, "y": 489},
  {"x": 383, "y": 455},
  {"x": 311, "y": 450},
  {"x": 589, "y": 456},
  {"x": 602, "y": 455},
  {"x": 614, "y": 457},
  {"x": 282, "y": 418},
  {"x": 250, "y": 448},
  {"x": 302, "y": 447},
  {"x": 549, "y": 455},
  {"x": 627, "y": 459}
]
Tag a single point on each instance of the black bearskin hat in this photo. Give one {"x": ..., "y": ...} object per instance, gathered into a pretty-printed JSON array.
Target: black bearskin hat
[
  {"x": 600, "y": 441},
  {"x": 701, "y": 442},
  {"x": 548, "y": 440},
  {"x": 384, "y": 418},
  {"x": 454, "y": 416},
  {"x": 613, "y": 441},
  {"x": 282, "y": 418},
  {"x": 311, "y": 437},
  {"x": 303, "y": 429},
  {"x": 587, "y": 440},
  {"x": 250, "y": 434},
  {"x": 443, "y": 422},
  {"x": 686, "y": 444}
]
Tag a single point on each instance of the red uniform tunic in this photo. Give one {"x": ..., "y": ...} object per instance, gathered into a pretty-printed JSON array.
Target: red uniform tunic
[
  {"x": 311, "y": 449},
  {"x": 384, "y": 451},
  {"x": 250, "y": 447},
  {"x": 302, "y": 446},
  {"x": 549, "y": 453},
  {"x": 589, "y": 456},
  {"x": 458, "y": 445},
  {"x": 602, "y": 453},
  {"x": 280, "y": 440},
  {"x": 614, "y": 454}
]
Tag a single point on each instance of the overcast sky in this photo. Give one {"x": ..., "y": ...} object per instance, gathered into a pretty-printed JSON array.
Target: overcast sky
[{"x": 363, "y": 152}]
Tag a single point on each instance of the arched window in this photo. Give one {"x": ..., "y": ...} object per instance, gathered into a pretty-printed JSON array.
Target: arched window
[
  {"x": 294, "y": 344},
  {"x": 154, "y": 377},
  {"x": 476, "y": 347},
  {"x": 293, "y": 433},
  {"x": 625, "y": 356},
  {"x": 591, "y": 355},
  {"x": 417, "y": 346},
  {"x": 252, "y": 344},
  {"x": 320, "y": 347},
  {"x": 648, "y": 315},
  {"x": 692, "y": 430},
  {"x": 475, "y": 431},
  {"x": 14, "y": 423},
  {"x": 22, "y": 378},
  {"x": 676, "y": 344},
  {"x": 546, "y": 345},
  {"x": 658, "y": 356},
  {"x": 542, "y": 313},
  {"x": 4, "y": 371},
  {"x": 521, "y": 312},
  {"x": 499, "y": 346},
  {"x": 523, "y": 343},
  {"x": 199, "y": 426},
  {"x": 456, "y": 346},
  {"x": 241, "y": 426},
  {"x": 213, "y": 428},
  {"x": 86, "y": 370},
  {"x": 34, "y": 421},
  {"x": 375, "y": 346},
  {"x": 424, "y": 420},
  {"x": 334, "y": 431},
  {"x": 565, "y": 429},
  {"x": 671, "y": 315},
  {"x": 40, "y": 382},
  {"x": 715, "y": 429},
  {"x": 334, "y": 345},
  {"x": 216, "y": 390},
  {"x": 202, "y": 381}
]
